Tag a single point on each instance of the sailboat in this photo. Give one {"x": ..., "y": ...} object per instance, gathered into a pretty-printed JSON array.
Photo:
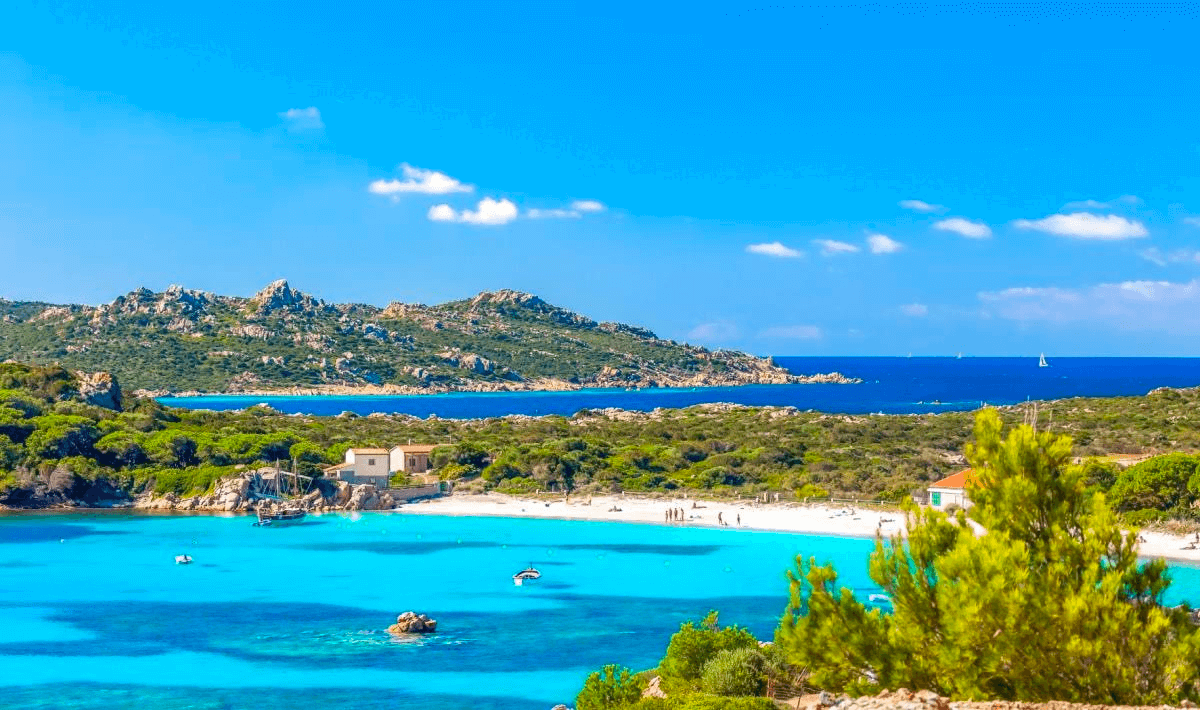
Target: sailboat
[
  {"x": 1042, "y": 361},
  {"x": 959, "y": 356}
]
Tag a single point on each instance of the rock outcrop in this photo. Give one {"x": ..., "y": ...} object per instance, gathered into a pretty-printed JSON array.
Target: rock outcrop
[
  {"x": 100, "y": 389},
  {"x": 412, "y": 623}
]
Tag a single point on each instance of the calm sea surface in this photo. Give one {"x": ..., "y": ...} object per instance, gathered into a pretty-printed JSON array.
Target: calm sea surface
[
  {"x": 890, "y": 385},
  {"x": 95, "y": 614}
]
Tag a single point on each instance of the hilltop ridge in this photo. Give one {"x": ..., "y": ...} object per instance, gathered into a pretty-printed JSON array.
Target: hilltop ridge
[{"x": 283, "y": 339}]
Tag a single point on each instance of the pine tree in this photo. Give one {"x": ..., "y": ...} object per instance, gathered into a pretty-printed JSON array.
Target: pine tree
[{"x": 1036, "y": 595}]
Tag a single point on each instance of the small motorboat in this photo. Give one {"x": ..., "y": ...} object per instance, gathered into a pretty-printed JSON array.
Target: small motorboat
[
  {"x": 879, "y": 599},
  {"x": 183, "y": 559},
  {"x": 528, "y": 573}
]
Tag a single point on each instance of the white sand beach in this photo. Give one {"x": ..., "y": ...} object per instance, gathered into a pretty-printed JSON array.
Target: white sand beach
[{"x": 818, "y": 518}]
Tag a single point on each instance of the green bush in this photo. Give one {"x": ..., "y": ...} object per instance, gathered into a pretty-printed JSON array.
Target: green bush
[
  {"x": 734, "y": 671},
  {"x": 693, "y": 646},
  {"x": 607, "y": 689}
]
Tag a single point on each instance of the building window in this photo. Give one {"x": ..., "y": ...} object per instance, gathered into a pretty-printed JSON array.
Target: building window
[
  {"x": 370, "y": 462},
  {"x": 935, "y": 499}
]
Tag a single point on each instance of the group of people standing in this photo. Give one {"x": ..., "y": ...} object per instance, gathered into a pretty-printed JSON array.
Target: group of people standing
[{"x": 676, "y": 515}]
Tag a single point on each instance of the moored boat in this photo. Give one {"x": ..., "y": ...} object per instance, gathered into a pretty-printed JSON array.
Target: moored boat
[
  {"x": 183, "y": 559},
  {"x": 280, "y": 519},
  {"x": 526, "y": 574}
]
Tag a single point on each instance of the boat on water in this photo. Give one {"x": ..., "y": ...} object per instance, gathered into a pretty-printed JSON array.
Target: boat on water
[
  {"x": 279, "y": 519},
  {"x": 183, "y": 559},
  {"x": 1042, "y": 361},
  {"x": 879, "y": 599},
  {"x": 526, "y": 574}
]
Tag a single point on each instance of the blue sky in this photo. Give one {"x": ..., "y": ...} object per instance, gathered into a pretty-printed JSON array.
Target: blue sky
[{"x": 789, "y": 179}]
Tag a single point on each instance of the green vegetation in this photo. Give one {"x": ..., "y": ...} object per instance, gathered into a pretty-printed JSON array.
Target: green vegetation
[
  {"x": 1050, "y": 604},
  {"x": 183, "y": 340},
  {"x": 45, "y": 426}
]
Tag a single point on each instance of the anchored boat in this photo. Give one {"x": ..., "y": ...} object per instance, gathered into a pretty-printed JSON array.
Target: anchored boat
[
  {"x": 183, "y": 559},
  {"x": 279, "y": 519},
  {"x": 526, "y": 574}
]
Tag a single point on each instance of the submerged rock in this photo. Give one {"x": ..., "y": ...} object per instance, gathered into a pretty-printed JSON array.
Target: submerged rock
[{"x": 412, "y": 623}]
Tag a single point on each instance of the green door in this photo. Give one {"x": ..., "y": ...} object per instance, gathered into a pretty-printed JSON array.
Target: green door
[{"x": 935, "y": 499}]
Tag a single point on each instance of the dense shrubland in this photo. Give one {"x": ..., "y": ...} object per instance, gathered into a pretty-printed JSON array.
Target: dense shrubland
[
  {"x": 47, "y": 430},
  {"x": 1051, "y": 603}
]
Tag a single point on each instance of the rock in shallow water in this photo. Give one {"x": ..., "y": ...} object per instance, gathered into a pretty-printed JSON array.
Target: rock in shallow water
[{"x": 413, "y": 623}]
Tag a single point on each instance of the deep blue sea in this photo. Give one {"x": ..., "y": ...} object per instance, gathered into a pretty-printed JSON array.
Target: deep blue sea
[
  {"x": 95, "y": 614},
  {"x": 890, "y": 385}
]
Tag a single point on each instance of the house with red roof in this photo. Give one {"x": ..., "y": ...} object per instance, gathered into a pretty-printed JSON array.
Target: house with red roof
[{"x": 951, "y": 490}]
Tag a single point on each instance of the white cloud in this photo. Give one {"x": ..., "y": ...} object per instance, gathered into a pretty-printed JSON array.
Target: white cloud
[
  {"x": 965, "y": 227},
  {"x": 442, "y": 213},
  {"x": 717, "y": 331},
  {"x": 1085, "y": 225},
  {"x": 1180, "y": 256},
  {"x": 1128, "y": 305},
  {"x": 1098, "y": 205},
  {"x": 831, "y": 247},
  {"x": 1194, "y": 221},
  {"x": 916, "y": 310},
  {"x": 488, "y": 212},
  {"x": 883, "y": 244},
  {"x": 578, "y": 209},
  {"x": 793, "y": 332},
  {"x": 420, "y": 181},
  {"x": 552, "y": 214},
  {"x": 775, "y": 249},
  {"x": 921, "y": 206},
  {"x": 303, "y": 119}
]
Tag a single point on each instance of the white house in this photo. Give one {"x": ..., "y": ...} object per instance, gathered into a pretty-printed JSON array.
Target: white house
[
  {"x": 410, "y": 458},
  {"x": 951, "y": 490},
  {"x": 363, "y": 466}
]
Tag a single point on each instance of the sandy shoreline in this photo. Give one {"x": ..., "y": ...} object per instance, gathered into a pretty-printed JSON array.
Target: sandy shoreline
[{"x": 816, "y": 519}]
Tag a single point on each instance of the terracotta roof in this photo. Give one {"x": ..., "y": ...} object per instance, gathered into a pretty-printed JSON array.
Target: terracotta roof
[
  {"x": 369, "y": 451},
  {"x": 958, "y": 480},
  {"x": 416, "y": 448},
  {"x": 338, "y": 467}
]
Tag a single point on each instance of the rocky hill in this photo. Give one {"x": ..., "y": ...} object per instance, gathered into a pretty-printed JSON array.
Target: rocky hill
[{"x": 281, "y": 339}]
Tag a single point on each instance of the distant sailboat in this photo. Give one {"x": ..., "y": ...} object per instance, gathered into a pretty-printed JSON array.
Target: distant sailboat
[
  {"x": 1042, "y": 361},
  {"x": 959, "y": 357}
]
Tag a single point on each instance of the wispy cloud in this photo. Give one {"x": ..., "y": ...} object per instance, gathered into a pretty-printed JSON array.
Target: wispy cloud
[
  {"x": 714, "y": 332},
  {"x": 577, "y": 209},
  {"x": 775, "y": 249},
  {"x": 1127, "y": 305},
  {"x": 915, "y": 310},
  {"x": 488, "y": 212},
  {"x": 587, "y": 206},
  {"x": 303, "y": 119},
  {"x": 1085, "y": 225},
  {"x": 883, "y": 244},
  {"x": 1155, "y": 255},
  {"x": 1097, "y": 205},
  {"x": 922, "y": 206},
  {"x": 965, "y": 227},
  {"x": 419, "y": 181},
  {"x": 1194, "y": 221},
  {"x": 793, "y": 332},
  {"x": 832, "y": 247},
  {"x": 558, "y": 213}
]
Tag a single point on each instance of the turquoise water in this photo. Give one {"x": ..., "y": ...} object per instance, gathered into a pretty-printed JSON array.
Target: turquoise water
[{"x": 95, "y": 614}]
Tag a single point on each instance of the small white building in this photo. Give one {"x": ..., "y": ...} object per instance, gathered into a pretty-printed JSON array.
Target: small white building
[
  {"x": 410, "y": 458},
  {"x": 951, "y": 490},
  {"x": 363, "y": 466}
]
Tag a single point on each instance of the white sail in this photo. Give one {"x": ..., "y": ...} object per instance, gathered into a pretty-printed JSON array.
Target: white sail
[{"x": 1042, "y": 361}]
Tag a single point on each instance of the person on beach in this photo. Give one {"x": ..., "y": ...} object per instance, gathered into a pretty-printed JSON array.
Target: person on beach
[
  {"x": 719, "y": 521},
  {"x": 739, "y": 519}
]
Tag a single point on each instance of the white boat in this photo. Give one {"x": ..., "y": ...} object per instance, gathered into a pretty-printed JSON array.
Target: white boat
[
  {"x": 183, "y": 560},
  {"x": 879, "y": 599},
  {"x": 525, "y": 574},
  {"x": 1042, "y": 361}
]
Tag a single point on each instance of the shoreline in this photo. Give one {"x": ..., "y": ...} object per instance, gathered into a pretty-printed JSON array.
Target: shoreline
[{"x": 841, "y": 520}]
